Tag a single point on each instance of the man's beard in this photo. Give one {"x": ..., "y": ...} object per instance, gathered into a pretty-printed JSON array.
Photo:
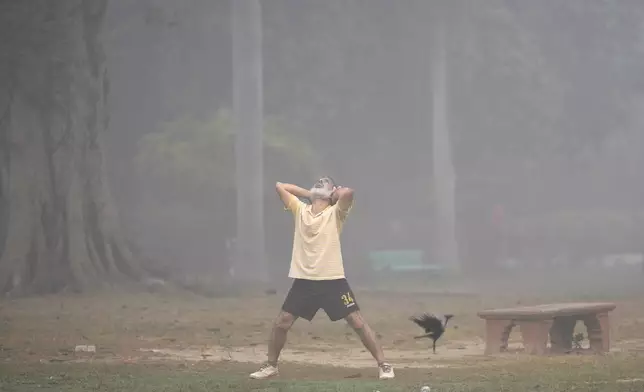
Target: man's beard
[{"x": 321, "y": 193}]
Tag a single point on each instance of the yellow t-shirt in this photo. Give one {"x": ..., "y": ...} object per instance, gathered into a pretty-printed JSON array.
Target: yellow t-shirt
[{"x": 317, "y": 254}]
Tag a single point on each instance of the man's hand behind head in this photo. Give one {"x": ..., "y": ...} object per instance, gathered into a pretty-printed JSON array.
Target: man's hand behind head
[{"x": 335, "y": 196}]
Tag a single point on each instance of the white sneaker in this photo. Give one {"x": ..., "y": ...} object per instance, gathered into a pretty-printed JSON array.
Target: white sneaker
[
  {"x": 386, "y": 371},
  {"x": 265, "y": 372}
]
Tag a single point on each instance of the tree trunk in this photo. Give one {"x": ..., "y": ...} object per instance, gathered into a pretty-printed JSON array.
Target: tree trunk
[
  {"x": 250, "y": 258},
  {"x": 444, "y": 176},
  {"x": 62, "y": 230}
]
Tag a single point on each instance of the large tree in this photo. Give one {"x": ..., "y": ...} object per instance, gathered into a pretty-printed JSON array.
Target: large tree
[{"x": 60, "y": 227}]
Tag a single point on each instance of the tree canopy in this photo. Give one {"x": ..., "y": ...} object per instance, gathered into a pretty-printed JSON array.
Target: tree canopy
[{"x": 545, "y": 103}]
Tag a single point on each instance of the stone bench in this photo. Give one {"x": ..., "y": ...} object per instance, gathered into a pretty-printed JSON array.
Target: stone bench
[{"x": 556, "y": 321}]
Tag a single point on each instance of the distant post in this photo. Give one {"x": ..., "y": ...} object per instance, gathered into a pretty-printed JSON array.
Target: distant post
[
  {"x": 250, "y": 258},
  {"x": 444, "y": 176}
]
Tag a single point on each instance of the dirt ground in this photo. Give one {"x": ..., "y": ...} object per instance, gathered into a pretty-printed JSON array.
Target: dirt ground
[{"x": 176, "y": 326}]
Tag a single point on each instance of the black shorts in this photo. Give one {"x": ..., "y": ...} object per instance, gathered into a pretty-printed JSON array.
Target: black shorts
[{"x": 306, "y": 297}]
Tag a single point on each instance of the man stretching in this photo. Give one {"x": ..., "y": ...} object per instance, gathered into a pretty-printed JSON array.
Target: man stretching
[{"x": 318, "y": 270}]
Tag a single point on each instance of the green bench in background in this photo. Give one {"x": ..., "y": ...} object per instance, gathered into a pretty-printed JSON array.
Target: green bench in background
[{"x": 403, "y": 260}]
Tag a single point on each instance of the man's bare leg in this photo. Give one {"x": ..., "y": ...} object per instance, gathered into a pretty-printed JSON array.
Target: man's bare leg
[
  {"x": 281, "y": 326},
  {"x": 367, "y": 336}
]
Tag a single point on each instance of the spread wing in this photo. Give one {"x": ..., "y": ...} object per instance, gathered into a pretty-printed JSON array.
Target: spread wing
[{"x": 430, "y": 323}]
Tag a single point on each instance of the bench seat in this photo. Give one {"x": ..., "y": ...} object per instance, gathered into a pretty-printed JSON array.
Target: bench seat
[{"x": 539, "y": 322}]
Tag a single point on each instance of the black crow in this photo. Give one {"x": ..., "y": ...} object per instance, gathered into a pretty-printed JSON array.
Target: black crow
[{"x": 433, "y": 326}]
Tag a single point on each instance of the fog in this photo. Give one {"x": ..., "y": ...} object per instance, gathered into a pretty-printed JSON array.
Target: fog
[{"x": 497, "y": 137}]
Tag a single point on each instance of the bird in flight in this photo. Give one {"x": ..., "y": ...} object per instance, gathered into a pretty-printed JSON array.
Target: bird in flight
[{"x": 434, "y": 326}]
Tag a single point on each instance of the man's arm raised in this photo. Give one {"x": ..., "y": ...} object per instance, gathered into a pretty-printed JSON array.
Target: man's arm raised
[
  {"x": 343, "y": 197},
  {"x": 289, "y": 194}
]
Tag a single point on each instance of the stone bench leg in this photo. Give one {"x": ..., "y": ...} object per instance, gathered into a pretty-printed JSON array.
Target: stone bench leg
[
  {"x": 598, "y": 328},
  {"x": 561, "y": 334},
  {"x": 497, "y": 333},
  {"x": 535, "y": 335}
]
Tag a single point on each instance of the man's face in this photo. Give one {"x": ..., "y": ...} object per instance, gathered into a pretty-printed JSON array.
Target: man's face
[
  {"x": 323, "y": 188},
  {"x": 324, "y": 183}
]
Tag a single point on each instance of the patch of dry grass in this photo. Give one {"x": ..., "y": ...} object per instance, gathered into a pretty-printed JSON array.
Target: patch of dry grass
[
  {"x": 140, "y": 320},
  {"x": 116, "y": 321},
  {"x": 120, "y": 323}
]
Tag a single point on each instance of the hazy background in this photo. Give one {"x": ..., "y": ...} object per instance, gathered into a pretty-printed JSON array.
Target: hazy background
[{"x": 545, "y": 116}]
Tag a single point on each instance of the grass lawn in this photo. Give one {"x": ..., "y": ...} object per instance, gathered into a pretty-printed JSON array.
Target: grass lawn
[
  {"x": 620, "y": 374},
  {"x": 212, "y": 344}
]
